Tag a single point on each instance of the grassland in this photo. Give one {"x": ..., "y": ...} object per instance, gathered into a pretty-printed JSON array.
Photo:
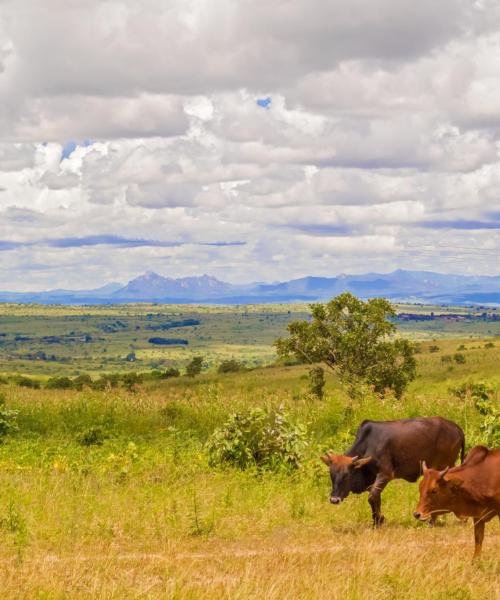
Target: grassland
[
  {"x": 144, "y": 515},
  {"x": 56, "y": 340}
]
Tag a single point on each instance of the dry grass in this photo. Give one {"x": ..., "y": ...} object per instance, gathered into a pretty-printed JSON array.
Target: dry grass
[{"x": 344, "y": 563}]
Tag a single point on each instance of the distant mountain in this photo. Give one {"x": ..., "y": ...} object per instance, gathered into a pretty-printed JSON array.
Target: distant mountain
[
  {"x": 152, "y": 286},
  {"x": 404, "y": 286}
]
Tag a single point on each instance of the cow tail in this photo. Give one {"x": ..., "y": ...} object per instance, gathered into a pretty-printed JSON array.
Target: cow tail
[{"x": 462, "y": 450}]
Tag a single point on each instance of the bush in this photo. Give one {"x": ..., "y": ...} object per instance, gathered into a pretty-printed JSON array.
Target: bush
[
  {"x": 264, "y": 438},
  {"x": 446, "y": 358},
  {"x": 434, "y": 348},
  {"x": 130, "y": 380},
  {"x": 8, "y": 418},
  {"x": 59, "y": 383},
  {"x": 171, "y": 372},
  {"x": 93, "y": 436},
  {"x": 27, "y": 382},
  {"x": 230, "y": 366},
  {"x": 82, "y": 381},
  {"x": 194, "y": 366},
  {"x": 459, "y": 358},
  {"x": 489, "y": 345}
]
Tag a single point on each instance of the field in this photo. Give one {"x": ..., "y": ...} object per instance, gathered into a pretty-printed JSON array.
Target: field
[
  {"x": 142, "y": 514},
  {"x": 55, "y": 340}
]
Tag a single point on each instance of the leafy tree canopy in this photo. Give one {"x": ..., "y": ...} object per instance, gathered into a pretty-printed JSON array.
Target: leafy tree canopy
[{"x": 356, "y": 340}]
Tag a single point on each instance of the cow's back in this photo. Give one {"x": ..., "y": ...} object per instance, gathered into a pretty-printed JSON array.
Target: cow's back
[
  {"x": 400, "y": 446},
  {"x": 480, "y": 473}
]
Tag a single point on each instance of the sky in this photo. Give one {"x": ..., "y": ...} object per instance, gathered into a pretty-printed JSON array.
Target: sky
[{"x": 249, "y": 140}]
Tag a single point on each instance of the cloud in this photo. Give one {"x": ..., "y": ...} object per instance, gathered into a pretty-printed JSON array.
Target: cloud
[
  {"x": 249, "y": 140},
  {"x": 460, "y": 224}
]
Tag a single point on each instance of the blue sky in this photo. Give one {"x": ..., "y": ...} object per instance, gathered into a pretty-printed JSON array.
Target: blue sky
[{"x": 335, "y": 137}]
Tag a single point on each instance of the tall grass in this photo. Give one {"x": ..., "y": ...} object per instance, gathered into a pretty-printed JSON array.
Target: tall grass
[{"x": 142, "y": 514}]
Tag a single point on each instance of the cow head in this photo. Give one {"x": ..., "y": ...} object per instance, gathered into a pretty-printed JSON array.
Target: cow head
[
  {"x": 437, "y": 494},
  {"x": 347, "y": 475}
]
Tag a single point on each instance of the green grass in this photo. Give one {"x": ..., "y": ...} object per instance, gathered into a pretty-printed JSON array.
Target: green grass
[{"x": 144, "y": 515}]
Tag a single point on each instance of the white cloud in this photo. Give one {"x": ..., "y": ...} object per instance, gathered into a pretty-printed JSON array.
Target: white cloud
[{"x": 383, "y": 119}]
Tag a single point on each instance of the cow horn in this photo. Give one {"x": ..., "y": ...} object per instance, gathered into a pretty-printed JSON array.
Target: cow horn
[
  {"x": 443, "y": 472},
  {"x": 355, "y": 458},
  {"x": 424, "y": 467}
]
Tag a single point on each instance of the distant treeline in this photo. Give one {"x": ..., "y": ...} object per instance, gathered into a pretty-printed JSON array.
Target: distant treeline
[
  {"x": 448, "y": 317},
  {"x": 173, "y": 325},
  {"x": 160, "y": 341}
]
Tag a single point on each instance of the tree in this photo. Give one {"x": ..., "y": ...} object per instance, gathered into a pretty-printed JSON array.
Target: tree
[
  {"x": 355, "y": 339},
  {"x": 317, "y": 382},
  {"x": 194, "y": 366}
]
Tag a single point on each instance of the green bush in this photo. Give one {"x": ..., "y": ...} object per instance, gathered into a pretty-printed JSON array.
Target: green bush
[
  {"x": 265, "y": 438},
  {"x": 434, "y": 348},
  {"x": 230, "y": 366},
  {"x": 8, "y": 418},
  {"x": 27, "y": 382},
  {"x": 171, "y": 372},
  {"x": 59, "y": 383},
  {"x": 459, "y": 358},
  {"x": 92, "y": 436},
  {"x": 82, "y": 381},
  {"x": 195, "y": 366}
]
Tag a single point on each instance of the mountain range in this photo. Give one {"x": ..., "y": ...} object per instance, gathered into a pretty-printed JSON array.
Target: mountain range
[{"x": 400, "y": 285}]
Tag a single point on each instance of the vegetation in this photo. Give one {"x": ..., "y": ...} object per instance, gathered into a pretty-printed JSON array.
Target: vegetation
[
  {"x": 195, "y": 366},
  {"x": 264, "y": 438},
  {"x": 124, "y": 491},
  {"x": 354, "y": 339}
]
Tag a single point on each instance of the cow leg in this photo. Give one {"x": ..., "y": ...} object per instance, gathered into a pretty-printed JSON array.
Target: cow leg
[
  {"x": 478, "y": 536},
  {"x": 374, "y": 498}
]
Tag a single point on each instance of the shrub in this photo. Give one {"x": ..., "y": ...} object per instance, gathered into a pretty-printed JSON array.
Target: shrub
[
  {"x": 477, "y": 391},
  {"x": 82, "y": 381},
  {"x": 459, "y": 358},
  {"x": 446, "y": 358},
  {"x": 171, "y": 372},
  {"x": 264, "y": 438},
  {"x": 461, "y": 347},
  {"x": 92, "y": 436},
  {"x": 194, "y": 366},
  {"x": 434, "y": 348},
  {"x": 230, "y": 366},
  {"x": 489, "y": 345},
  {"x": 130, "y": 380},
  {"x": 59, "y": 383},
  {"x": 8, "y": 418},
  {"x": 27, "y": 382}
]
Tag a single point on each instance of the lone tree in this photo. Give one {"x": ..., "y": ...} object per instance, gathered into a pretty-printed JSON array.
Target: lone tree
[{"x": 355, "y": 339}]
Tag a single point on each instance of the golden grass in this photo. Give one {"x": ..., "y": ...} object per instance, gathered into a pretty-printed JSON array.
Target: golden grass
[{"x": 392, "y": 563}]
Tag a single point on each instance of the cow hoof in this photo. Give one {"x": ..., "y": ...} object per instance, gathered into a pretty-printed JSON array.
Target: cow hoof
[{"x": 378, "y": 521}]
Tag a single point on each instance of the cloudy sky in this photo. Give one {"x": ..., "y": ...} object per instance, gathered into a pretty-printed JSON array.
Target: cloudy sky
[{"x": 249, "y": 139}]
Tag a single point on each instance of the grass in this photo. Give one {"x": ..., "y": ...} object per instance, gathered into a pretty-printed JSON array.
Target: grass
[
  {"x": 97, "y": 339},
  {"x": 142, "y": 514}
]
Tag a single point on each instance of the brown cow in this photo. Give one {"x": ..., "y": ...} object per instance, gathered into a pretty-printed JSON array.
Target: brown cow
[
  {"x": 386, "y": 450},
  {"x": 469, "y": 490}
]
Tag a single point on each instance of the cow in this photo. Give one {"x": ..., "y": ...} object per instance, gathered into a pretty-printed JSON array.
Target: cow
[
  {"x": 470, "y": 490},
  {"x": 386, "y": 450}
]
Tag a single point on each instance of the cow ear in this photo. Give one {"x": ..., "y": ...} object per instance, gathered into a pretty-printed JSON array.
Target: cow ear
[
  {"x": 361, "y": 462},
  {"x": 327, "y": 459}
]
